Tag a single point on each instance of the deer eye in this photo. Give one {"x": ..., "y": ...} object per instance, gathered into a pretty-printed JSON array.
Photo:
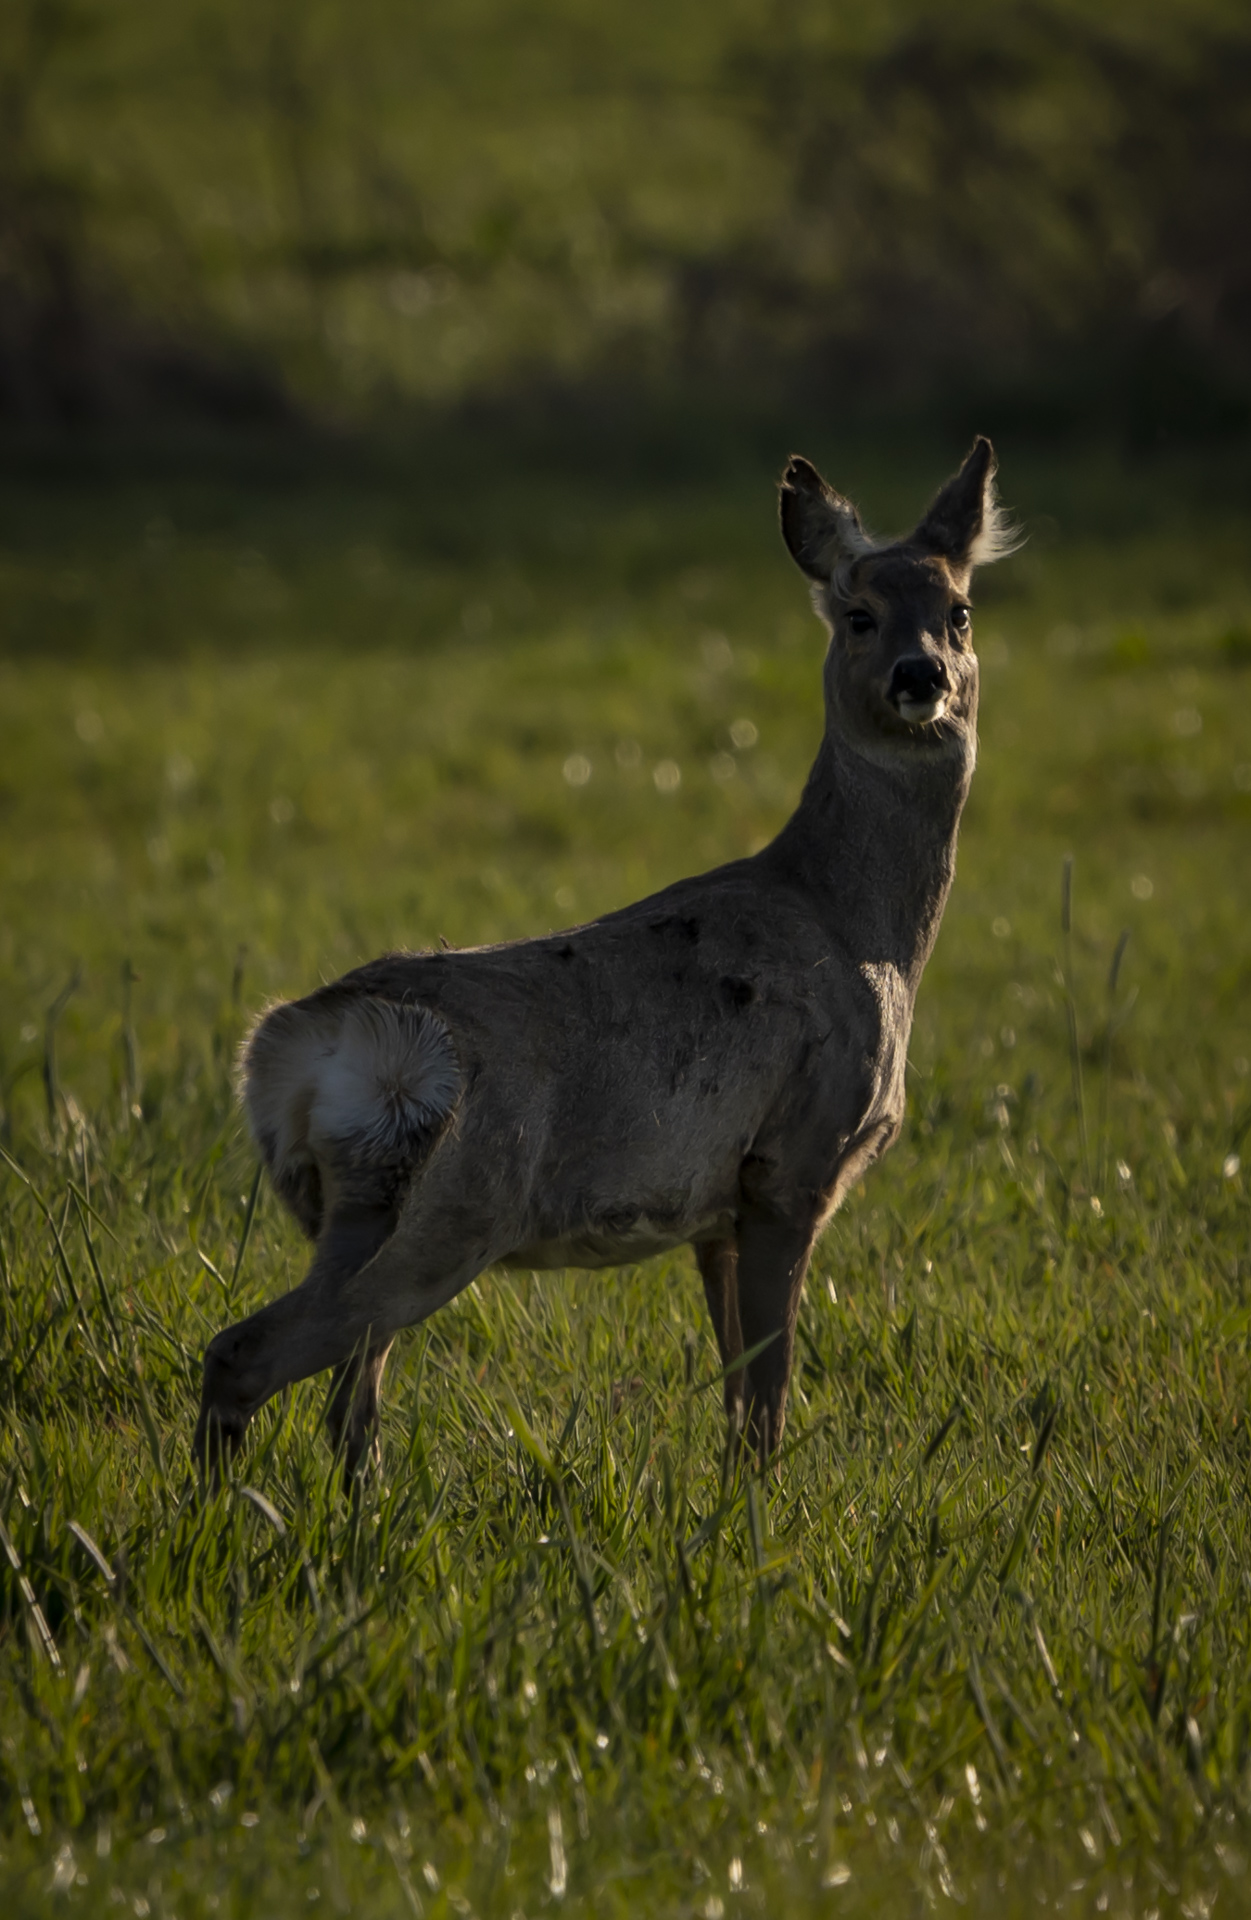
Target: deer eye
[
  {"x": 960, "y": 619},
  {"x": 860, "y": 620}
]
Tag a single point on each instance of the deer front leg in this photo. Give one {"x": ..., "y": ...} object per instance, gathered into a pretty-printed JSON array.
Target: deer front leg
[
  {"x": 718, "y": 1266},
  {"x": 772, "y": 1263},
  {"x": 352, "y": 1409}
]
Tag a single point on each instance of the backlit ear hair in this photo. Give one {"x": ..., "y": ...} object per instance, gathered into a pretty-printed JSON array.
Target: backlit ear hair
[{"x": 966, "y": 524}]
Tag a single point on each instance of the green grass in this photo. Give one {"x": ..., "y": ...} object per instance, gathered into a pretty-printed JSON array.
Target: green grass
[{"x": 989, "y": 1636}]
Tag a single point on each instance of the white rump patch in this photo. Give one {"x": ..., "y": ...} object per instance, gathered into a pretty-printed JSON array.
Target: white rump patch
[
  {"x": 354, "y": 1083},
  {"x": 391, "y": 1076}
]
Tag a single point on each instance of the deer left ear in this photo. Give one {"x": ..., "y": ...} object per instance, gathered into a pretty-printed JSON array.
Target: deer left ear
[{"x": 966, "y": 525}]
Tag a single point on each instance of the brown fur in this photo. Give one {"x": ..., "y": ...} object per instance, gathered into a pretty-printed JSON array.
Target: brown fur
[{"x": 715, "y": 1065}]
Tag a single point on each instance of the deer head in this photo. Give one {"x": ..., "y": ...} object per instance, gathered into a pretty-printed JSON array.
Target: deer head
[{"x": 901, "y": 674}]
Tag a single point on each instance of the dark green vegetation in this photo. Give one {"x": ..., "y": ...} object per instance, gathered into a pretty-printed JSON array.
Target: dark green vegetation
[
  {"x": 989, "y": 1635},
  {"x": 209, "y": 204}
]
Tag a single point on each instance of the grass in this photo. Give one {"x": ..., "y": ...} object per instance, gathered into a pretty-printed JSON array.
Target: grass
[{"x": 988, "y": 1638}]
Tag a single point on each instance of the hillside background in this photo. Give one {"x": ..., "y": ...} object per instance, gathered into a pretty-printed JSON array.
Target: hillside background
[{"x": 315, "y": 208}]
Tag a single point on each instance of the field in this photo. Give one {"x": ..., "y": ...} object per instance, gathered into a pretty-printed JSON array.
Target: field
[{"x": 986, "y": 1640}]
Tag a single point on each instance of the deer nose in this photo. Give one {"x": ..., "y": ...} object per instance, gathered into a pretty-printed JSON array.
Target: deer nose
[{"x": 918, "y": 681}]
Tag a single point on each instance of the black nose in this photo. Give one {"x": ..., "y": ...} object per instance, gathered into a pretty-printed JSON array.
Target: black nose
[{"x": 918, "y": 678}]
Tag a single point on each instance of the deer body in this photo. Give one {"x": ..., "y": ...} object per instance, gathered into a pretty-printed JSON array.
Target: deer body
[{"x": 716, "y": 1064}]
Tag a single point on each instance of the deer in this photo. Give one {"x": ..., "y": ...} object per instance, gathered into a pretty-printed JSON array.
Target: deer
[{"x": 716, "y": 1065}]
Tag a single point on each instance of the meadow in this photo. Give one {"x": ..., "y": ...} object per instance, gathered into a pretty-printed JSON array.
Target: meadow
[{"x": 985, "y": 1641}]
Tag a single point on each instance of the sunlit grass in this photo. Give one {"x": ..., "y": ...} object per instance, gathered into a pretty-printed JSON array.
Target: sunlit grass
[{"x": 987, "y": 1635}]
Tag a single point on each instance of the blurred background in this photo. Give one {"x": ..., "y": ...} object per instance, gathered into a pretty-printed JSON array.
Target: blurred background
[
  {"x": 392, "y": 398},
  {"x": 329, "y": 209},
  {"x": 391, "y": 403}
]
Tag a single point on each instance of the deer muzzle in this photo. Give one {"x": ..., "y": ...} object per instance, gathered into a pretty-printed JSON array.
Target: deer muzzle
[{"x": 919, "y": 688}]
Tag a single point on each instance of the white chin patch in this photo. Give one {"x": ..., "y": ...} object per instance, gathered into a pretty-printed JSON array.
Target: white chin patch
[{"x": 918, "y": 712}]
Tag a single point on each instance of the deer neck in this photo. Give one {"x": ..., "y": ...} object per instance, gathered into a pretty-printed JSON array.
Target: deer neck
[{"x": 875, "y": 842}]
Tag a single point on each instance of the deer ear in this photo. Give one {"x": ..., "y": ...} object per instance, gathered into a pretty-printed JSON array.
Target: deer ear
[
  {"x": 820, "y": 528},
  {"x": 965, "y": 524}
]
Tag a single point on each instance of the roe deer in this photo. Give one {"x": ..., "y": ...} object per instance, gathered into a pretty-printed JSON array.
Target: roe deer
[{"x": 716, "y": 1064}]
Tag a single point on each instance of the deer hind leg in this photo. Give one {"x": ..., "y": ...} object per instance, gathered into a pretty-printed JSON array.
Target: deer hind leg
[
  {"x": 772, "y": 1262},
  {"x": 346, "y": 1102},
  {"x": 311, "y": 1328},
  {"x": 352, "y": 1408},
  {"x": 718, "y": 1265}
]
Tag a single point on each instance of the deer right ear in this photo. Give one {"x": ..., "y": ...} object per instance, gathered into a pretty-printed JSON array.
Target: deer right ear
[{"x": 821, "y": 529}]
